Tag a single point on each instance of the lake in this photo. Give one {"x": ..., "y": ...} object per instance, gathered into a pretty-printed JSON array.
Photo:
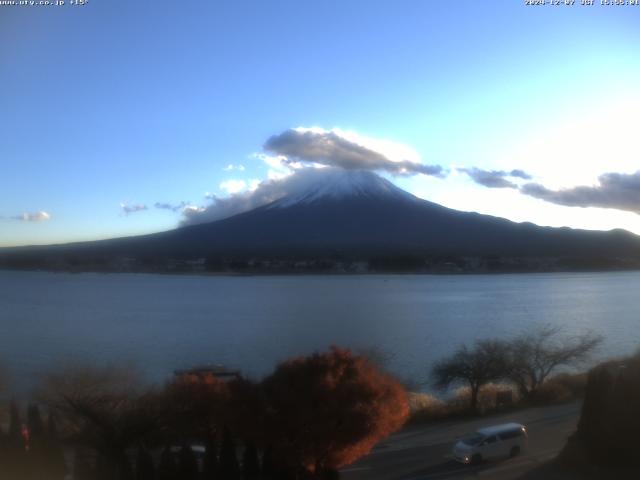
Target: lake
[{"x": 162, "y": 322}]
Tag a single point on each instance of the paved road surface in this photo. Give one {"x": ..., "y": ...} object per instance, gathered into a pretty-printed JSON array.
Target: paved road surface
[{"x": 420, "y": 453}]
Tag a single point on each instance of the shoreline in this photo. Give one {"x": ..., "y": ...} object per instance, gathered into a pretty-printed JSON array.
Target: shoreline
[{"x": 324, "y": 273}]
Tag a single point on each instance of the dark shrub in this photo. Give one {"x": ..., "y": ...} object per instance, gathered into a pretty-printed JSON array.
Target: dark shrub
[
  {"x": 229, "y": 468},
  {"x": 187, "y": 464},
  {"x": 610, "y": 417},
  {"x": 210, "y": 461},
  {"x": 167, "y": 468},
  {"x": 144, "y": 465},
  {"x": 250, "y": 463}
]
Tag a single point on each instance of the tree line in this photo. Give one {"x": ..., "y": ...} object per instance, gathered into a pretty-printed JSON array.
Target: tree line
[
  {"x": 307, "y": 419},
  {"x": 311, "y": 416},
  {"x": 526, "y": 361}
]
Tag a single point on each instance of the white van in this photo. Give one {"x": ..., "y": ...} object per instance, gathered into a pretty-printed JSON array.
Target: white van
[{"x": 490, "y": 443}]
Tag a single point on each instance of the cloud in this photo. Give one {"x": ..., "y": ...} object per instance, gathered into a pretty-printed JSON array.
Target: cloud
[
  {"x": 233, "y": 186},
  {"x": 266, "y": 192},
  {"x": 236, "y": 186},
  {"x": 127, "y": 208},
  {"x": 186, "y": 208},
  {"x": 231, "y": 167},
  {"x": 192, "y": 211},
  {"x": 619, "y": 191},
  {"x": 280, "y": 166},
  {"x": 333, "y": 148},
  {"x": 298, "y": 157},
  {"x": 40, "y": 216},
  {"x": 168, "y": 206},
  {"x": 517, "y": 173},
  {"x": 495, "y": 178}
]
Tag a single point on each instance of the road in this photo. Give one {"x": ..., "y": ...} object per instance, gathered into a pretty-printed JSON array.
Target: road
[{"x": 421, "y": 452}]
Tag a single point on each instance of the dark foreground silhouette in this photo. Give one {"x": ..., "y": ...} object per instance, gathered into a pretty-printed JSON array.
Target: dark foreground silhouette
[{"x": 311, "y": 416}]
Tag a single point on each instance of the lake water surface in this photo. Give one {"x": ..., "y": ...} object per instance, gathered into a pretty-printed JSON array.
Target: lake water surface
[{"x": 162, "y": 322}]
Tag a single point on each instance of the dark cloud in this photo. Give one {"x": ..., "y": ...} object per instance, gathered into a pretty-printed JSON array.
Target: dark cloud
[
  {"x": 329, "y": 148},
  {"x": 517, "y": 173},
  {"x": 192, "y": 211},
  {"x": 40, "y": 216},
  {"x": 618, "y": 191},
  {"x": 127, "y": 208},
  {"x": 495, "y": 178}
]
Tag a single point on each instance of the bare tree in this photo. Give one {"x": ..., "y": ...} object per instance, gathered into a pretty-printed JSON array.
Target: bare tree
[
  {"x": 534, "y": 355},
  {"x": 102, "y": 408},
  {"x": 484, "y": 363}
]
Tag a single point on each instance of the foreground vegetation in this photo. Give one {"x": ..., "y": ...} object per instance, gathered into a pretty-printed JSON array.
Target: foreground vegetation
[
  {"x": 310, "y": 417},
  {"x": 521, "y": 367},
  {"x": 427, "y": 408},
  {"x": 606, "y": 441},
  {"x": 307, "y": 419}
]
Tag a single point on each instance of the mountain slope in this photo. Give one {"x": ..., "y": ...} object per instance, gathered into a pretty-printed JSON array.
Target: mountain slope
[{"x": 359, "y": 215}]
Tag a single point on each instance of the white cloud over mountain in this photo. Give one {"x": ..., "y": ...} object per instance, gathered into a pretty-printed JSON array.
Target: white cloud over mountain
[{"x": 296, "y": 158}]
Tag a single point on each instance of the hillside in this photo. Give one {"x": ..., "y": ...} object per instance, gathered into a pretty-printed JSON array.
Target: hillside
[{"x": 351, "y": 216}]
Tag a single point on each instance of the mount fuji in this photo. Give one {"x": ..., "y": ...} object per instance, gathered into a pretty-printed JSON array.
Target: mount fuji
[{"x": 356, "y": 215}]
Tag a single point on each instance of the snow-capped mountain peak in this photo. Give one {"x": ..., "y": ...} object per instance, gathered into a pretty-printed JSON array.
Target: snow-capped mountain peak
[{"x": 335, "y": 184}]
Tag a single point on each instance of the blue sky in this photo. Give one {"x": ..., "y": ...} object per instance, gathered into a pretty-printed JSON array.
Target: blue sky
[{"x": 132, "y": 103}]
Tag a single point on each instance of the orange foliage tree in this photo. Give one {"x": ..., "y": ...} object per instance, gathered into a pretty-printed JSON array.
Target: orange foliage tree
[{"x": 327, "y": 410}]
